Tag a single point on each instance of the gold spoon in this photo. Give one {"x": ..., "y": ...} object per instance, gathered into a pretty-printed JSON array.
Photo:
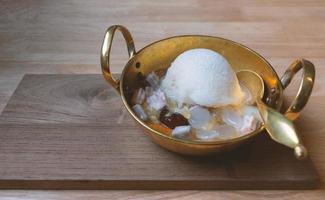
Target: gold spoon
[{"x": 280, "y": 128}]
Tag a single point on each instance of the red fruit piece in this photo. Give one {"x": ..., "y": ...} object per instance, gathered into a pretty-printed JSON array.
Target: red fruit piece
[{"x": 171, "y": 120}]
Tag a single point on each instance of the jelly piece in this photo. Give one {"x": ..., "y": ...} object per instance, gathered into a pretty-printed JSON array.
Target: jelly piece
[
  {"x": 212, "y": 124},
  {"x": 223, "y": 132},
  {"x": 171, "y": 120},
  {"x": 199, "y": 116},
  {"x": 250, "y": 124},
  {"x": 140, "y": 112},
  {"x": 181, "y": 132},
  {"x": 157, "y": 100},
  {"x": 226, "y": 132},
  {"x": 232, "y": 117},
  {"x": 153, "y": 80},
  {"x": 138, "y": 96},
  {"x": 252, "y": 110}
]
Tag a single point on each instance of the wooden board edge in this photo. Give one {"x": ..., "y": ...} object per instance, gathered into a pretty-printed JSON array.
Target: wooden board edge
[{"x": 158, "y": 185}]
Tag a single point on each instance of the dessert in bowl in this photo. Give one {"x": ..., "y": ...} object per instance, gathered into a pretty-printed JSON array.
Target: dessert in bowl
[
  {"x": 208, "y": 98},
  {"x": 197, "y": 98}
]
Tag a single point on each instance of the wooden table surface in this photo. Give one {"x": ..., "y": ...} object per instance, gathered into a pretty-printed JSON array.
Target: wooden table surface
[{"x": 65, "y": 36}]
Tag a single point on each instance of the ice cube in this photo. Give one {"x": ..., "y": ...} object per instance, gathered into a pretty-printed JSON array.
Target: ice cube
[
  {"x": 223, "y": 132},
  {"x": 157, "y": 100},
  {"x": 226, "y": 131},
  {"x": 252, "y": 110},
  {"x": 199, "y": 117},
  {"x": 250, "y": 124},
  {"x": 232, "y": 117},
  {"x": 153, "y": 80},
  {"x": 140, "y": 112},
  {"x": 181, "y": 132}
]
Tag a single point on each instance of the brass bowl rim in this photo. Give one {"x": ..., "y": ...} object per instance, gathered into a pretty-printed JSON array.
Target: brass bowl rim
[{"x": 192, "y": 142}]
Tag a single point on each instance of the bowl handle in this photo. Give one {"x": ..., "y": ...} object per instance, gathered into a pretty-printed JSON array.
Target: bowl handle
[
  {"x": 306, "y": 85},
  {"x": 106, "y": 49}
]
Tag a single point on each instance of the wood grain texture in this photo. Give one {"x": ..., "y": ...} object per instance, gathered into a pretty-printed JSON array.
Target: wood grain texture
[
  {"x": 64, "y": 99},
  {"x": 65, "y": 36},
  {"x": 158, "y": 195},
  {"x": 71, "y": 132}
]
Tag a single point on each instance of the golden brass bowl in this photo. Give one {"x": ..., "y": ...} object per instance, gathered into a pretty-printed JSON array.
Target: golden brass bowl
[{"x": 160, "y": 54}]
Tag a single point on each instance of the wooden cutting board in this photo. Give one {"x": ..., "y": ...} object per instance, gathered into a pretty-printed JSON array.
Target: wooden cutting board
[{"x": 72, "y": 132}]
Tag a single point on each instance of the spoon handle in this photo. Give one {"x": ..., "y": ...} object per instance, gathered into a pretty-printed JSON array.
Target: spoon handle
[{"x": 281, "y": 129}]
